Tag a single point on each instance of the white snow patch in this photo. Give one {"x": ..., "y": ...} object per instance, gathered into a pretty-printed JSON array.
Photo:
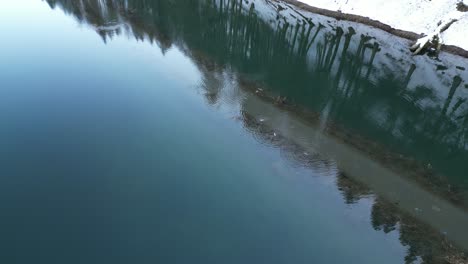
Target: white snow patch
[{"x": 419, "y": 16}]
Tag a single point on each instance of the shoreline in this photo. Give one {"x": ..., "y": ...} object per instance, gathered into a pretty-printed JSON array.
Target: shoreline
[{"x": 412, "y": 36}]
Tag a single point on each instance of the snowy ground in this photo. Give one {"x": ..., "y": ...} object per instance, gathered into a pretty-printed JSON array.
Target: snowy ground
[{"x": 419, "y": 16}]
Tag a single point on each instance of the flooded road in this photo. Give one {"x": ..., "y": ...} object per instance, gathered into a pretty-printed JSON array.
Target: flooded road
[{"x": 224, "y": 132}]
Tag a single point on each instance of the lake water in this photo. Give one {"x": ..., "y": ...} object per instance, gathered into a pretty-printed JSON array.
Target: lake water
[{"x": 196, "y": 132}]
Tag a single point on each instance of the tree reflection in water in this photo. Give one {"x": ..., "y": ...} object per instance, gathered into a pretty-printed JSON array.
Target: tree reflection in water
[{"x": 316, "y": 67}]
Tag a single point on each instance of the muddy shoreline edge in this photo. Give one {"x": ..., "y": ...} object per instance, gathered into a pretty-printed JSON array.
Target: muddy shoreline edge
[{"x": 455, "y": 50}]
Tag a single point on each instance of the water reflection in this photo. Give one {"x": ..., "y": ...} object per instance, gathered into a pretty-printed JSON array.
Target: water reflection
[
  {"x": 423, "y": 241},
  {"x": 425, "y": 244},
  {"x": 312, "y": 66}
]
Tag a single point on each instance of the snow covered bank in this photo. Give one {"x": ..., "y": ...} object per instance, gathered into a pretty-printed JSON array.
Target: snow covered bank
[{"x": 419, "y": 16}]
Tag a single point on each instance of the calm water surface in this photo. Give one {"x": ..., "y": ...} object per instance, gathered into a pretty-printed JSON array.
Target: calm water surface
[{"x": 129, "y": 133}]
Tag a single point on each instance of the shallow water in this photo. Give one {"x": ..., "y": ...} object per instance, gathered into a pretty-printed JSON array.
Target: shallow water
[{"x": 144, "y": 131}]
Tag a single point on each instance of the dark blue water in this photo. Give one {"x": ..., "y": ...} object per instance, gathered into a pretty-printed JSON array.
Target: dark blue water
[{"x": 113, "y": 152}]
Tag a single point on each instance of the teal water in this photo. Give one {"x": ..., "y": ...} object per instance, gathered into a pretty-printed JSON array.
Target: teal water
[{"x": 132, "y": 146}]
